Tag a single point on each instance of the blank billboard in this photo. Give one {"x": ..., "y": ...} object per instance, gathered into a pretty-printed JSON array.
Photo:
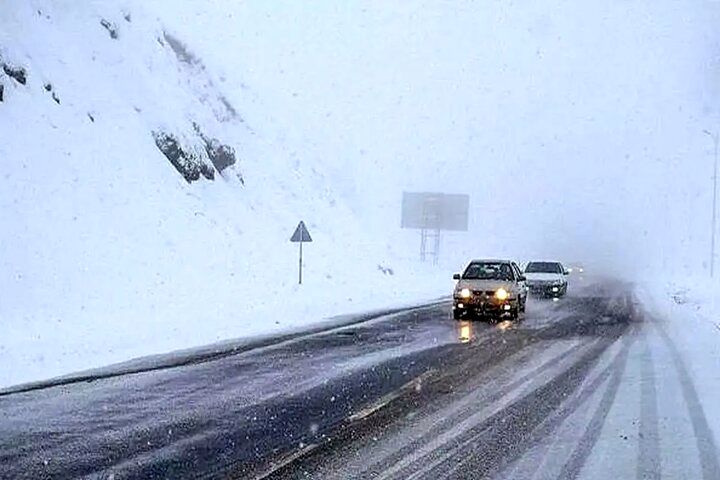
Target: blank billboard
[{"x": 435, "y": 211}]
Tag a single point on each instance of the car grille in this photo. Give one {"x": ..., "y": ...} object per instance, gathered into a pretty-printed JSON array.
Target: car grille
[{"x": 488, "y": 293}]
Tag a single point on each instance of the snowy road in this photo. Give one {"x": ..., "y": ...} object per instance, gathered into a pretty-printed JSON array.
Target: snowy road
[{"x": 588, "y": 387}]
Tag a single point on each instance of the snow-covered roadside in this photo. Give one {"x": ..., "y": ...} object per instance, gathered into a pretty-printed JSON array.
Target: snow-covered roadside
[
  {"x": 36, "y": 355},
  {"x": 111, "y": 250},
  {"x": 689, "y": 310}
]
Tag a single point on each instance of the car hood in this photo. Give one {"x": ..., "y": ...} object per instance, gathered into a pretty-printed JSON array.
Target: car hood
[
  {"x": 544, "y": 277},
  {"x": 484, "y": 284}
]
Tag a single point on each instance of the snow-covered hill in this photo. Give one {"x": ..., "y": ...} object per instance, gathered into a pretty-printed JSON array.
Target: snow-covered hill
[
  {"x": 155, "y": 157},
  {"x": 147, "y": 198}
]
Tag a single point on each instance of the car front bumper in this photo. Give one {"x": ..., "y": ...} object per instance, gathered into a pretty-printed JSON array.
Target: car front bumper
[
  {"x": 547, "y": 289},
  {"x": 480, "y": 306}
]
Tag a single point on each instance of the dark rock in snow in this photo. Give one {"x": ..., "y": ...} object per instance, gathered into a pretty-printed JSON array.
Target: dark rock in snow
[
  {"x": 230, "y": 109},
  {"x": 128, "y": 17},
  {"x": 90, "y": 116},
  {"x": 386, "y": 270},
  {"x": 49, "y": 88},
  {"x": 16, "y": 73},
  {"x": 190, "y": 165},
  {"x": 181, "y": 51},
  {"x": 2, "y": 92},
  {"x": 222, "y": 156},
  {"x": 110, "y": 27}
]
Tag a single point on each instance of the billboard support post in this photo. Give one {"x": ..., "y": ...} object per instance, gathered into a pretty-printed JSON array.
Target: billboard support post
[{"x": 431, "y": 213}]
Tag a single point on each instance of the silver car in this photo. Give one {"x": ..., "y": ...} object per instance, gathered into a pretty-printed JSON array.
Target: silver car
[{"x": 490, "y": 288}]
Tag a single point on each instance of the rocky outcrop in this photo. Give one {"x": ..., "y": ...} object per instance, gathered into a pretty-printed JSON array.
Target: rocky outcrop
[
  {"x": 111, "y": 28},
  {"x": 16, "y": 73},
  {"x": 222, "y": 156},
  {"x": 190, "y": 165}
]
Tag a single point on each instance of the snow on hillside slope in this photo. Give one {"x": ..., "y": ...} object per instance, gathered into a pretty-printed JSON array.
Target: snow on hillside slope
[{"x": 107, "y": 251}]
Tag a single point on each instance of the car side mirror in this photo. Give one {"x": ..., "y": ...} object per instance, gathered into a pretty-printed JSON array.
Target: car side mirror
[
  {"x": 456, "y": 276},
  {"x": 522, "y": 278},
  {"x": 566, "y": 272}
]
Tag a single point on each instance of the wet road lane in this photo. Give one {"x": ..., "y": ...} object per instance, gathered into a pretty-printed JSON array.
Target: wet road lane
[{"x": 412, "y": 395}]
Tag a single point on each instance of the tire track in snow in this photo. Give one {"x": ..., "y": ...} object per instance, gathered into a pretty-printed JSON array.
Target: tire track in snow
[
  {"x": 486, "y": 445},
  {"x": 544, "y": 403},
  {"x": 648, "y": 466},
  {"x": 453, "y": 426},
  {"x": 580, "y": 397},
  {"x": 707, "y": 448},
  {"x": 580, "y": 454}
]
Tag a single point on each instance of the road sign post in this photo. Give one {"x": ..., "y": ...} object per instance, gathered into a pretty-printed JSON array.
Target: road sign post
[
  {"x": 716, "y": 140},
  {"x": 300, "y": 236}
]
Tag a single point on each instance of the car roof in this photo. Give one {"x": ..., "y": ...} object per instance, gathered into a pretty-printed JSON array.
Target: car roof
[
  {"x": 544, "y": 261},
  {"x": 491, "y": 260}
]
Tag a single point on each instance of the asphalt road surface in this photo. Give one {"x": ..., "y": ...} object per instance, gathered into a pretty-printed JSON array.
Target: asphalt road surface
[{"x": 585, "y": 387}]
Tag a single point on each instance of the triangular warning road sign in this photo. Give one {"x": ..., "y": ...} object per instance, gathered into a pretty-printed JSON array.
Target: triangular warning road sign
[{"x": 301, "y": 234}]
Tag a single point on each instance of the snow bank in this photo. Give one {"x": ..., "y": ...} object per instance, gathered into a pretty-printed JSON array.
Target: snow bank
[{"x": 127, "y": 230}]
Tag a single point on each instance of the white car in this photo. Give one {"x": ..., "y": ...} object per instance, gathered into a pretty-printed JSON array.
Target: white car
[
  {"x": 546, "y": 278},
  {"x": 576, "y": 268}
]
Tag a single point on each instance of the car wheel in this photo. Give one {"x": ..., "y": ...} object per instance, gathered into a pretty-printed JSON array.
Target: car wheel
[
  {"x": 522, "y": 305},
  {"x": 458, "y": 314}
]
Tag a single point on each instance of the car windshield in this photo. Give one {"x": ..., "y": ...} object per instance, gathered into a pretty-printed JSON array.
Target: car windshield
[
  {"x": 488, "y": 271},
  {"x": 544, "y": 267}
]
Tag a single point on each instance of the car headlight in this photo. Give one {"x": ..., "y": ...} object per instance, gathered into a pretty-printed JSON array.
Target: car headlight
[
  {"x": 501, "y": 294},
  {"x": 465, "y": 293}
]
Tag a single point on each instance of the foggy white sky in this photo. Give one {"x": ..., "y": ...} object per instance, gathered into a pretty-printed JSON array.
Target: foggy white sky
[{"x": 576, "y": 127}]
